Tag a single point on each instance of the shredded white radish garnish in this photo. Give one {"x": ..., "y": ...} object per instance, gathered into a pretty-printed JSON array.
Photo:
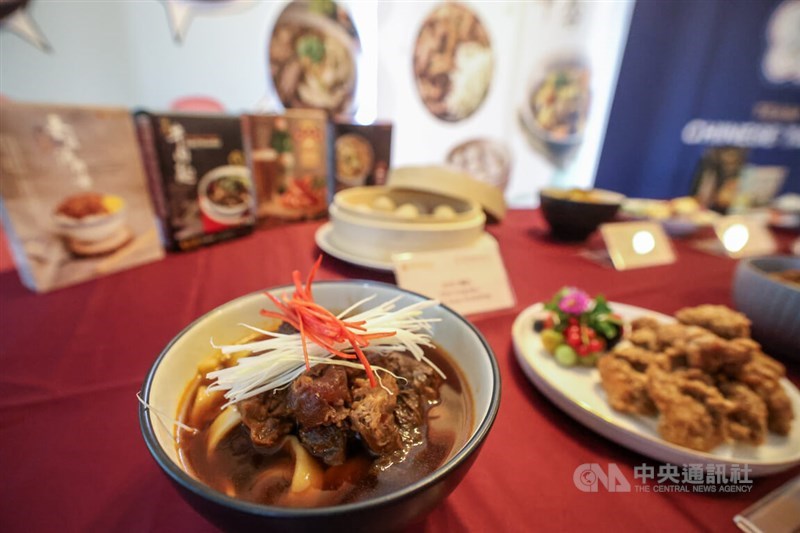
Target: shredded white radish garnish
[
  {"x": 161, "y": 416},
  {"x": 277, "y": 361}
]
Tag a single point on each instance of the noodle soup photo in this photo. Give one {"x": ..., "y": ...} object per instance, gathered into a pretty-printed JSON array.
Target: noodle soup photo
[
  {"x": 330, "y": 404},
  {"x": 313, "y": 57}
]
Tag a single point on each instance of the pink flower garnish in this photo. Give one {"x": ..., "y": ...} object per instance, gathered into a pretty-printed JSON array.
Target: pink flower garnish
[{"x": 575, "y": 301}]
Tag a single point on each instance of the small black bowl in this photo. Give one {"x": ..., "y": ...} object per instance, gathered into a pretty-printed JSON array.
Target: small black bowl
[{"x": 574, "y": 219}]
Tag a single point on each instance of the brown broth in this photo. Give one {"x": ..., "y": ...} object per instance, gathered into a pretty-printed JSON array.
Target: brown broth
[{"x": 236, "y": 463}]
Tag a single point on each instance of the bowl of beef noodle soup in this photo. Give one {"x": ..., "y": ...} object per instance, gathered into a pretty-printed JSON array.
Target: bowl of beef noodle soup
[{"x": 343, "y": 404}]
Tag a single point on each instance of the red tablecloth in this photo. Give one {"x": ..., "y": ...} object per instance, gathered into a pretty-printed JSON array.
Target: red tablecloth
[{"x": 72, "y": 457}]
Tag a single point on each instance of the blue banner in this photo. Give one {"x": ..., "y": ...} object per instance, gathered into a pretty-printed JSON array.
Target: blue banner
[{"x": 698, "y": 75}]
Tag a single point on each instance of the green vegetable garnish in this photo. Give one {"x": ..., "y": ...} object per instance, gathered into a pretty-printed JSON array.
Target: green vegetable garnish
[
  {"x": 323, "y": 7},
  {"x": 311, "y": 46}
]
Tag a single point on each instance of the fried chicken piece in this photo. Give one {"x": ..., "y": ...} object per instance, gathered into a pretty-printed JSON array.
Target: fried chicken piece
[
  {"x": 693, "y": 413},
  {"x": 678, "y": 335},
  {"x": 644, "y": 322},
  {"x": 676, "y": 358},
  {"x": 626, "y": 388},
  {"x": 645, "y": 337},
  {"x": 639, "y": 358},
  {"x": 694, "y": 374},
  {"x": 714, "y": 354},
  {"x": 658, "y": 337},
  {"x": 747, "y": 421},
  {"x": 719, "y": 319},
  {"x": 622, "y": 374},
  {"x": 762, "y": 375}
]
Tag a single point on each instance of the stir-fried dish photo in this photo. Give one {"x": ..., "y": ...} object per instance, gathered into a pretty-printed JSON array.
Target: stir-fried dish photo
[{"x": 453, "y": 62}]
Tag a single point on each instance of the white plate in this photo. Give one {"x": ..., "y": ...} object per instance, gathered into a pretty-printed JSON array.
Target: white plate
[
  {"x": 578, "y": 392},
  {"x": 324, "y": 241},
  {"x": 327, "y": 245}
]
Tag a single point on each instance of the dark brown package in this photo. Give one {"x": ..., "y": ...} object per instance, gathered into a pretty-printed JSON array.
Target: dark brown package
[
  {"x": 198, "y": 177},
  {"x": 716, "y": 178},
  {"x": 290, "y": 159},
  {"x": 74, "y": 198},
  {"x": 362, "y": 154}
]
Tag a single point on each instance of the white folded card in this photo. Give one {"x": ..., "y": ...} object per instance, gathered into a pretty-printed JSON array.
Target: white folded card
[
  {"x": 743, "y": 236},
  {"x": 470, "y": 280},
  {"x": 777, "y": 512},
  {"x": 739, "y": 236},
  {"x": 637, "y": 244}
]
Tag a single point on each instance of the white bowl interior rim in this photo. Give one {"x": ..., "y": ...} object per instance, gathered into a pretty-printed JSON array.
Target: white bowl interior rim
[
  {"x": 335, "y": 212},
  {"x": 348, "y": 200},
  {"x": 483, "y": 381}
]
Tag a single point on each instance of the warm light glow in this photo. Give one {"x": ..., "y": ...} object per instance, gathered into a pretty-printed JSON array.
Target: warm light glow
[
  {"x": 643, "y": 242},
  {"x": 735, "y": 237}
]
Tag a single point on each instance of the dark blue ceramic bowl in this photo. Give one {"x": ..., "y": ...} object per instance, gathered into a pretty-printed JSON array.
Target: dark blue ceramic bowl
[
  {"x": 772, "y": 305},
  {"x": 177, "y": 364},
  {"x": 573, "y": 219}
]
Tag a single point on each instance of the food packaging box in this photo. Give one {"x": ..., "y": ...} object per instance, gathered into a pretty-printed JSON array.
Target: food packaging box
[
  {"x": 290, "y": 159},
  {"x": 362, "y": 155},
  {"x": 73, "y": 193},
  {"x": 198, "y": 176}
]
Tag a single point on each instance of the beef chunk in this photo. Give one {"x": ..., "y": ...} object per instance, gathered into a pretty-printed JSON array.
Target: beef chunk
[
  {"x": 372, "y": 415},
  {"x": 419, "y": 389},
  {"x": 286, "y": 329},
  {"x": 328, "y": 443},
  {"x": 267, "y": 416},
  {"x": 320, "y": 396},
  {"x": 419, "y": 376},
  {"x": 329, "y": 407}
]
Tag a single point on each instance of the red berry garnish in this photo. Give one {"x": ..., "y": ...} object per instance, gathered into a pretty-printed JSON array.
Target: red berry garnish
[
  {"x": 583, "y": 350},
  {"x": 595, "y": 346}
]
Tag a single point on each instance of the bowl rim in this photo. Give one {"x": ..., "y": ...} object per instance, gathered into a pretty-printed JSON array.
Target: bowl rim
[
  {"x": 198, "y": 488},
  {"x": 610, "y": 198},
  {"x": 751, "y": 264}
]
